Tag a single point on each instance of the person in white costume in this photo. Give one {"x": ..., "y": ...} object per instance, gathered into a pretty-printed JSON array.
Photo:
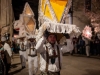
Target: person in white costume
[
  {"x": 22, "y": 51},
  {"x": 68, "y": 42},
  {"x": 32, "y": 56},
  {"x": 87, "y": 46},
  {"x": 50, "y": 55},
  {"x": 8, "y": 54}
]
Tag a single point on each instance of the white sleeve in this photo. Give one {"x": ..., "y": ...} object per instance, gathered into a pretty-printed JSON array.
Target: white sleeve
[
  {"x": 40, "y": 45},
  {"x": 65, "y": 48},
  {"x": 8, "y": 49},
  {"x": 18, "y": 41},
  {"x": 61, "y": 58}
]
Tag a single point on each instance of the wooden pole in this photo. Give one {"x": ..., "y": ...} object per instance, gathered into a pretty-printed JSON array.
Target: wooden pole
[{"x": 11, "y": 21}]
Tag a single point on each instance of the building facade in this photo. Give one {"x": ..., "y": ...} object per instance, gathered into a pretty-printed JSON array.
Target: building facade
[{"x": 6, "y": 17}]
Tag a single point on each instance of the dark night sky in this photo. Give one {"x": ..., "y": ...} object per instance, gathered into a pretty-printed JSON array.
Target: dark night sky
[{"x": 18, "y": 6}]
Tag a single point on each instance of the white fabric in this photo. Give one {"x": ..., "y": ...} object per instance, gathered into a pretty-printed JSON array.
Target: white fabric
[
  {"x": 8, "y": 49},
  {"x": 18, "y": 24},
  {"x": 69, "y": 46},
  {"x": 30, "y": 46},
  {"x": 62, "y": 40},
  {"x": 32, "y": 63},
  {"x": 31, "y": 36},
  {"x": 27, "y": 52},
  {"x": 23, "y": 57},
  {"x": 40, "y": 47},
  {"x": 21, "y": 18},
  {"x": 87, "y": 47},
  {"x": 18, "y": 41},
  {"x": 87, "y": 50},
  {"x": 57, "y": 28},
  {"x": 98, "y": 35},
  {"x": 61, "y": 28},
  {"x": 33, "y": 52},
  {"x": 3, "y": 39},
  {"x": 8, "y": 52},
  {"x": 23, "y": 53},
  {"x": 25, "y": 47},
  {"x": 22, "y": 32}
]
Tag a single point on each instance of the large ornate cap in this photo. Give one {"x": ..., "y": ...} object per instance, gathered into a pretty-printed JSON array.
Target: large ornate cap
[
  {"x": 57, "y": 28},
  {"x": 29, "y": 20}
]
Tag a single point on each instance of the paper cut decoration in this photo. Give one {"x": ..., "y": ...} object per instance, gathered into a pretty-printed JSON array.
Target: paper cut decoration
[
  {"x": 27, "y": 10},
  {"x": 30, "y": 26}
]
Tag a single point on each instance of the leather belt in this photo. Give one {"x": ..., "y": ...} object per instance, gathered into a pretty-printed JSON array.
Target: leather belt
[
  {"x": 32, "y": 55},
  {"x": 53, "y": 56},
  {"x": 22, "y": 50}
]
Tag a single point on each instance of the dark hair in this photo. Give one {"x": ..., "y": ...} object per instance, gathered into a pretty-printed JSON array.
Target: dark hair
[
  {"x": 46, "y": 34},
  {"x": 67, "y": 36},
  {"x": 51, "y": 34}
]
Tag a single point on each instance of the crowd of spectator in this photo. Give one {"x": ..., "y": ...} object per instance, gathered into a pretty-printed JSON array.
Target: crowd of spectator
[{"x": 80, "y": 46}]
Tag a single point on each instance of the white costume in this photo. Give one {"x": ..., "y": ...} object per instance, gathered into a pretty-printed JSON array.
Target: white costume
[
  {"x": 32, "y": 58},
  {"x": 46, "y": 51},
  {"x": 87, "y": 47},
  {"x": 22, "y": 53},
  {"x": 69, "y": 47},
  {"x": 8, "y": 52}
]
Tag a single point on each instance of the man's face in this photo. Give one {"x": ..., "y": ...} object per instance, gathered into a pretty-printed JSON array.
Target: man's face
[{"x": 51, "y": 39}]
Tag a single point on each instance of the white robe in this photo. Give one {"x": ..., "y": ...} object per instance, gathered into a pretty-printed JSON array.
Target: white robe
[
  {"x": 24, "y": 53},
  {"x": 69, "y": 47},
  {"x": 8, "y": 51},
  {"x": 41, "y": 48}
]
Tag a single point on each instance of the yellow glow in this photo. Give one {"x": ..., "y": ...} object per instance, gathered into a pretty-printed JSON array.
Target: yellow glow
[
  {"x": 29, "y": 14},
  {"x": 26, "y": 19},
  {"x": 28, "y": 10},
  {"x": 43, "y": 1},
  {"x": 47, "y": 13},
  {"x": 31, "y": 25},
  {"x": 58, "y": 7}
]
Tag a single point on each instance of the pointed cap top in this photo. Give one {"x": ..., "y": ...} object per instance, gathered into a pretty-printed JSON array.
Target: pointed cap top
[{"x": 27, "y": 9}]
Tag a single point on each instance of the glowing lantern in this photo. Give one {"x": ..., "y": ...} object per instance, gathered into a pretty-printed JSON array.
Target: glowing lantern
[
  {"x": 53, "y": 10},
  {"x": 87, "y": 33},
  {"x": 29, "y": 20}
]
